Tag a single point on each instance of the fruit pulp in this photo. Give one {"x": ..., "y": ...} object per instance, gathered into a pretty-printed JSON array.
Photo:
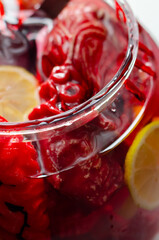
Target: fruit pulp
[{"x": 83, "y": 194}]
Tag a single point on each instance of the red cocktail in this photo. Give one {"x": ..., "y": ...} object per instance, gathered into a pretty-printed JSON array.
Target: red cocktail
[{"x": 62, "y": 168}]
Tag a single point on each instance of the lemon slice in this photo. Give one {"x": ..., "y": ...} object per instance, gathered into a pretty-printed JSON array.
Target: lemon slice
[
  {"x": 18, "y": 93},
  {"x": 142, "y": 167}
]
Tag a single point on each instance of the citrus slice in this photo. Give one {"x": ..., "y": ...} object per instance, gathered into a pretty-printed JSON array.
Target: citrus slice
[
  {"x": 142, "y": 167},
  {"x": 18, "y": 93}
]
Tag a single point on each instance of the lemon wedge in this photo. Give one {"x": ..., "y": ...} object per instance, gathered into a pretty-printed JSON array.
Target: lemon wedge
[
  {"x": 18, "y": 93},
  {"x": 142, "y": 167}
]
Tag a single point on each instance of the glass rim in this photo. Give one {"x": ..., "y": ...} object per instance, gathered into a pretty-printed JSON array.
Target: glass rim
[{"x": 93, "y": 106}]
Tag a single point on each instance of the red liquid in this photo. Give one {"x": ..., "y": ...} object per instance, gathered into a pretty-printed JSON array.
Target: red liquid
[{"x": 90, "y": 199}]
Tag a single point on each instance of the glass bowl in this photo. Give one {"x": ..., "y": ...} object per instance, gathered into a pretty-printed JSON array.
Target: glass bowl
[{"x": 62, "y": 177}]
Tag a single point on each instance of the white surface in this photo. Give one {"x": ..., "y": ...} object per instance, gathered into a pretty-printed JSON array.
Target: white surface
[
  {"x": 147, "y": 12},
  {"x": 156, "y": 237}
]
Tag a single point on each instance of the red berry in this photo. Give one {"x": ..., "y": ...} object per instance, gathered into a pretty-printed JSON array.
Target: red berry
[
  {"x": 72, "y": 93},
  {"x": 70, "y": 217},
  {"x": 47, "y": 90},
  {"x": 23, "y": 201},
  {"x": 60, "y": 74},
  {"x": 44, "y": 110},
  {"x": 94, "y": 178}
]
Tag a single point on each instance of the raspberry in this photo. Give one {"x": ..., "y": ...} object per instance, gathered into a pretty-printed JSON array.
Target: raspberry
[
  {"x": 60, "y": 74},
  {"x": 23, "y": 202},
  {"x": 93, "y": 183},
  {"x": 12, "y": 169},
  {"x": 47, "y": 90},
  {"x": 44, "y": 110},
  {"x": 2, "y": 119},
  {"x": 32, "y": 235},
  {"x": 6, "y": 235},
  {"x": 70, "y": 217},
  {"x": 72, "y": 92},
  {"x": 92, "y": 178}
]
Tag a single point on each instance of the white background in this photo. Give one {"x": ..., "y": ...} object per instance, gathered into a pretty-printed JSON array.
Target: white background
[{"x": 147, "y": 12}]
